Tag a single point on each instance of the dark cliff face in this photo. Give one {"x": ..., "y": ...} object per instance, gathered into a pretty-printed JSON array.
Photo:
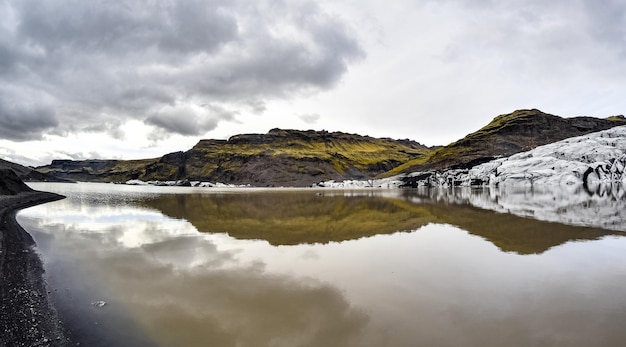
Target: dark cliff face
[{"x": 508, "y": 134}]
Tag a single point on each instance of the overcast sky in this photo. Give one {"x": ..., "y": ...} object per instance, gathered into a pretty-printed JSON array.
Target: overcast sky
[{"x": 138, "y": 79}]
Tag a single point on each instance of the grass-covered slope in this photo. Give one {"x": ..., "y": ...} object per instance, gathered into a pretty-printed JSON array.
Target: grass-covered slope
[
  {"x": 280, "y": 157},
  {"x": 506, "y": 135},
  {"x": 292, "y": 157}
]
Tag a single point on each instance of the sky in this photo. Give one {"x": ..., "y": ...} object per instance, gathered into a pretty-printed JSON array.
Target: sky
[{"x": 131, "y": 79}]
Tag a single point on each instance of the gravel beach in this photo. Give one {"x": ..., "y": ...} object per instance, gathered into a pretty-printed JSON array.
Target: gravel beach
[{"x": 27, "y": 317}]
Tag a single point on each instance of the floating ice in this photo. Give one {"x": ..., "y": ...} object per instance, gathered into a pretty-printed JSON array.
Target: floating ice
[{"x": 99, "y": 304}]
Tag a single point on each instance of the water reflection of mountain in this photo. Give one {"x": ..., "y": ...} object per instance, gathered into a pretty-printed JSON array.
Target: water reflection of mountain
[{"x": 290, "y": 218}]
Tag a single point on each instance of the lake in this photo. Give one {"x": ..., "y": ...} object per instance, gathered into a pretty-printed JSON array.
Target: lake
[{"x": 166, "y": 266}]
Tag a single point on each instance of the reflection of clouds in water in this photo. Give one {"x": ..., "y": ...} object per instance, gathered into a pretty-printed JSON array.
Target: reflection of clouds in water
[
  {"x": 310, "y": 254},
  {"x": 185, "y": 252},
  {"x": 121, "y": 225},
  {"x": 243, "y": 307},
  {"x": 187, "y": 292}
]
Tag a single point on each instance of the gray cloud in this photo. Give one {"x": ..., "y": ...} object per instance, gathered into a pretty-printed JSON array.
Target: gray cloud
[
  {"x": 186, "y": 120},
  {"x": 183, "y": 121},
  {"x": 492, "y": 57},
  {"x": 608, "y": 23},
  {"x": 310, "y": 118},
  {"x": 106, "y": 62},
  {"x": 21, "y": 121},
  {"x": 538, "y": 37},
  {"x": 79, "y": 156}
]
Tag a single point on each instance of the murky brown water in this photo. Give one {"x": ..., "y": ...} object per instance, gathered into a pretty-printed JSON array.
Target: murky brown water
[{"x": 202, "y": 267}]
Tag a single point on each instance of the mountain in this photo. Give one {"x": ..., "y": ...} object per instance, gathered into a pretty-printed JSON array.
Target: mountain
[
  {"x": 302, "y": 158},
  {"x": 280, "y": 157},
  {"x": 506, "y": 135}
]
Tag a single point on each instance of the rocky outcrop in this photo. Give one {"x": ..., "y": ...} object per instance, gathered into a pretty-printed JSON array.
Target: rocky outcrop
[{"x": 10, "y": 184}]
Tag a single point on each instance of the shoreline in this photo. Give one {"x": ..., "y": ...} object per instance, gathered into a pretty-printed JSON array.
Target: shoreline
[{"x": 27, "y": 316}]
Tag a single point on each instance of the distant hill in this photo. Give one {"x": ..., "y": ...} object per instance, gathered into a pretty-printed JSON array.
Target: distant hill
[
  {"x": 280, "y": 157},
  {"x": 506, "y": 135}
]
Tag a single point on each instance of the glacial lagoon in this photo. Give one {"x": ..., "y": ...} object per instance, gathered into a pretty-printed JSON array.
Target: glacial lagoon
[{"x": 165, "y": 266}]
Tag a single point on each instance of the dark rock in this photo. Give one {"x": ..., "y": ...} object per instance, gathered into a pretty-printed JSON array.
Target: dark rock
[{"x": 10, "y": 184}]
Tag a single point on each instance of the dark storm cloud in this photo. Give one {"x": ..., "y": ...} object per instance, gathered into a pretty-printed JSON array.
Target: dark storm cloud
[
  {"x": 108, "y": 27},
  {"x": 99, "y": 63},
  {"x": 186, "y": 120},
  {"x": 24, "y": 122}
]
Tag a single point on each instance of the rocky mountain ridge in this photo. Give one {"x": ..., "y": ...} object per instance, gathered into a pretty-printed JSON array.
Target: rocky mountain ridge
[
  {"x": 508, "y": 134},
  {"x": 302, "y": 158},
  {"x": 280, "y": 157}
]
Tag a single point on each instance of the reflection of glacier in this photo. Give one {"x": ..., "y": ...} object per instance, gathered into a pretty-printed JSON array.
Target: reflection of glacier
[{"x": 571, "y": 205}]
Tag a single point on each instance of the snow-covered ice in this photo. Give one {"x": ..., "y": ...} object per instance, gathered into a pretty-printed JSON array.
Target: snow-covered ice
[{"x": 592, "y": 159}]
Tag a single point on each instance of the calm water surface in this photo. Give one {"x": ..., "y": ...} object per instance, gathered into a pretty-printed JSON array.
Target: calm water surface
[{"x": 252, "y": 267}]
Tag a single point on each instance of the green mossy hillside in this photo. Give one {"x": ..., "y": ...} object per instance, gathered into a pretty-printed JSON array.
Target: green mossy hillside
[
  {"x": 309, "y": 153},
  {"x": 280, "y": 157}
]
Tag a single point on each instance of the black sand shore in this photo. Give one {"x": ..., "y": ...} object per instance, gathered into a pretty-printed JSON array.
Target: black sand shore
[{"x": 27, "y": 317}]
